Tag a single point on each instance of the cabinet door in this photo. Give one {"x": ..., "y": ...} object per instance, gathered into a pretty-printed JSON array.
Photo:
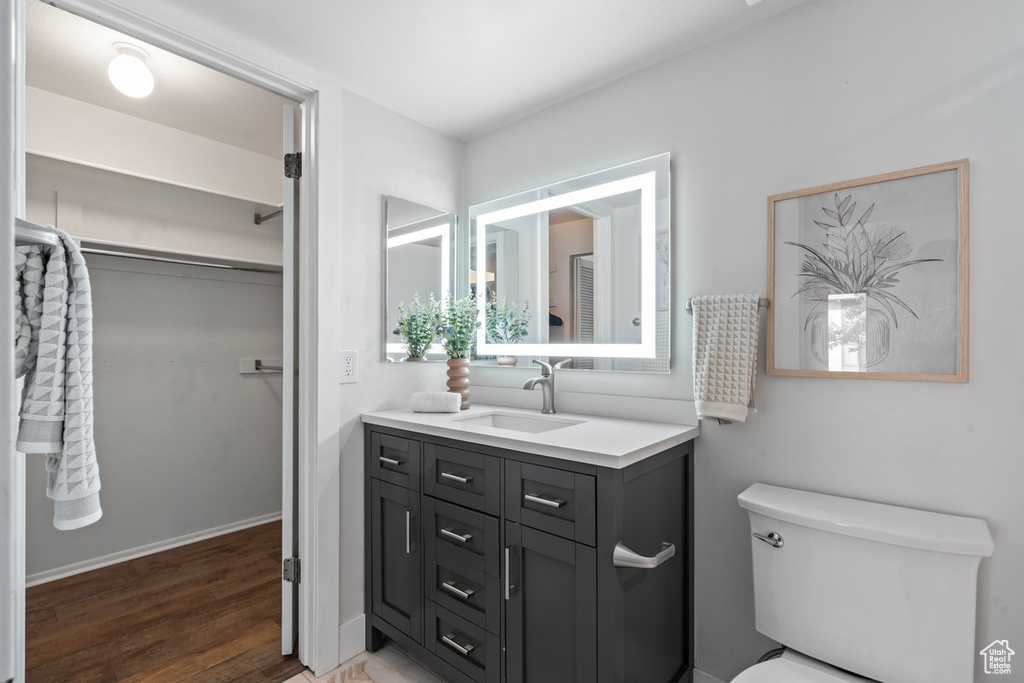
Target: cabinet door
[
  {"x": 551, "y": 608},
  {"x": 397, "y": 588}
]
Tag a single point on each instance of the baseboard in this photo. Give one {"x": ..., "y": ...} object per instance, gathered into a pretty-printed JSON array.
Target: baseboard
[
  {"x": 704, "y": 677},
  {"x": 352, "y": 638},
  {"x": 143, "y": 550}
]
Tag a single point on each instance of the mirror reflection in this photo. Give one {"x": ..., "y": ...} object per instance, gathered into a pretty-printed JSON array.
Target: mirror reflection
[
  {"x": 578, "y": 270},
  {"x": 417, "y": 264}
]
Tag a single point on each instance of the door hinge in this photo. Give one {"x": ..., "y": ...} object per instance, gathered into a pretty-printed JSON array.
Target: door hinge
[
  {"x": 293, "y": 165},
  {"x": 291, "y": 569}
]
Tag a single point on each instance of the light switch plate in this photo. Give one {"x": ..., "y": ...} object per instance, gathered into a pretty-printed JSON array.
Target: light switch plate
[{"x": 349, "y": 367}]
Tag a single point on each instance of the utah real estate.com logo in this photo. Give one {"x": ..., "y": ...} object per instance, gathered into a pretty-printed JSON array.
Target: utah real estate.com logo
[{"x": 997, "y": 657}]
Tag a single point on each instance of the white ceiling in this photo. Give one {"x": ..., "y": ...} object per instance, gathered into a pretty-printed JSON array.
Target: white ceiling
[
  {"x": 68, "y": 55},
  {"x": 462, "y": 67},
  {"x": 465, "y": 67}
]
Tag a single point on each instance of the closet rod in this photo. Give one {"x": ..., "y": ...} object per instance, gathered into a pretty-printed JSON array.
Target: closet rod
[
  {"x": 29, "y": 234},
  {"x": 183, "y": 262}
]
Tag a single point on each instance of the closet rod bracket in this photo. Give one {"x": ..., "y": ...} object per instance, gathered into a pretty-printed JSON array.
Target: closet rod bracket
[{"x": 259, "y": 219}]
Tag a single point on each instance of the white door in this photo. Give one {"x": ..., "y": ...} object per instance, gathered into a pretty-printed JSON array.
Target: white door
[
  {"x": 289, "y": 401},
  {"x": 12, "y": 471}
]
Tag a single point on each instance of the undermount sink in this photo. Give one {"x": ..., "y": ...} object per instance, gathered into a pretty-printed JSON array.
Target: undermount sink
[{"x": 516, "y": 422}]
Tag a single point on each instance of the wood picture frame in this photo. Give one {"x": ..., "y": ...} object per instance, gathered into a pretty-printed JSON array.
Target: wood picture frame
[{"x": 868, "y": 278}]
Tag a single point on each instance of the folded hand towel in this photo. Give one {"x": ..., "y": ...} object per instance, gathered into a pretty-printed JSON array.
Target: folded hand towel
[
  {"x": 54, "y": 351},
  {"x": 436, "y": 402},
  {"x": 725, "y": 333}
]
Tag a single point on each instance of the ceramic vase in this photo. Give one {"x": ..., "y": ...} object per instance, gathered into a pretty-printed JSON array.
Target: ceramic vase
[
  {"x": 458, "y": 378},
  {"x": 508, "y": 360},
  {"x": 414, "y": 359}
]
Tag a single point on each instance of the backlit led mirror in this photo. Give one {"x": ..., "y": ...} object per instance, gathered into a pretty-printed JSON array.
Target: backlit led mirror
[
  {"x": 418, "y": 244},
  {"x": 578, "y": 269}
]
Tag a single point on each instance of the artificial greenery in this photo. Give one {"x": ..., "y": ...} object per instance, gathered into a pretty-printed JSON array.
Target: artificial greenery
[
  {"x": 460, "y": 323},
  {"x": 506, "y": 324},
  {"x": 419, "y": 324}
]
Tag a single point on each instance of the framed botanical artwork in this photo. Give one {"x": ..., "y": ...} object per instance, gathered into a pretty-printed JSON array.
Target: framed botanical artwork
[{"x": 869, "y": 277}]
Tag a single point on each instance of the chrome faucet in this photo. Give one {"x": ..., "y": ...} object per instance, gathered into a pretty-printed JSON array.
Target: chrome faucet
[{"x": 546, "y": 382}]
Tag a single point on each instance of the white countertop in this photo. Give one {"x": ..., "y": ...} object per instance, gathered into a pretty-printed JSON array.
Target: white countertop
[{"x": 601, "y": 441}]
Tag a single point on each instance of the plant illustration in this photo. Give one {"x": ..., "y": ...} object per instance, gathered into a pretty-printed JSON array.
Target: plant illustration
[
  {"x": 506, "y": 324},
  {"x": 419, "y": 324},
  {"x": 459, "y": 326},
  {"x": 855, "y": 260}
]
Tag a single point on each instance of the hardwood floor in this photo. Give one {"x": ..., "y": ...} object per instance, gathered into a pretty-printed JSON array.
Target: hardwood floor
[{"x": 206, "y": 612}]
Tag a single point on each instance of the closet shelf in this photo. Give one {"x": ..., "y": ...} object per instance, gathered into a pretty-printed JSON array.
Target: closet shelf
[{"x": 265, "y": 204}]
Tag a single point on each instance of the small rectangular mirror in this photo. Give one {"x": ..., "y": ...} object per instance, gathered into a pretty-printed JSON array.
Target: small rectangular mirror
[
  {"x": 418, "y": 248},
  {"x": 590, "y": 260}
]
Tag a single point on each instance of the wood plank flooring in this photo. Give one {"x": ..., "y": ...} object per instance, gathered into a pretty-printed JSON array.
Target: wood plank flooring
[{"x": 207, "y": 612}]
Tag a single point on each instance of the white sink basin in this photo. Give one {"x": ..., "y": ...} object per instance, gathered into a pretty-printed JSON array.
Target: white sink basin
[{"x": 516, "y": 422}]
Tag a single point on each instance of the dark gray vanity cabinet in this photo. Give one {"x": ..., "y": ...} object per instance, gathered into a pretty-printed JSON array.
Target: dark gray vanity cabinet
[{"x": 488, "y": 565}]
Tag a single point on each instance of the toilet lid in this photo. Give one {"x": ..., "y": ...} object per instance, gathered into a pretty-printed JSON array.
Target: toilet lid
[{"x": 793, "y": 667}]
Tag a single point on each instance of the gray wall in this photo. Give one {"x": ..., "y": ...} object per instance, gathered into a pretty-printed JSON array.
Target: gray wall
[
  {"x": 384, "y": 154},
  {"x": 185, "y": 443},
  {"x": 827, "y": 91}
]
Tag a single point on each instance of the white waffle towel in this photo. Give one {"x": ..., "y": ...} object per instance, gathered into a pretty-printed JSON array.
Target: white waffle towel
[
  {"x": 725, "y": 334},
  {"x": 436, "y": 402},
  {"x": 54, "y": 351}
]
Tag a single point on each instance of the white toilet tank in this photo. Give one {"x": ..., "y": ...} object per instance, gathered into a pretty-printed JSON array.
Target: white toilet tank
[{"x": 883, "y": 591}]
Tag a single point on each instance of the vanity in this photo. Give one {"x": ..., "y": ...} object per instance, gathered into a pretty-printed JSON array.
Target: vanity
[
  {"x": 505, "y": 545},
  {"x": 509, "y": 545}
]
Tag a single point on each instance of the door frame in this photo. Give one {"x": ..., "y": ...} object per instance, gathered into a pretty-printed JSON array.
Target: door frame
[
  {"x": 12, "y": 465},
  {"x": 318, "y": 504}
]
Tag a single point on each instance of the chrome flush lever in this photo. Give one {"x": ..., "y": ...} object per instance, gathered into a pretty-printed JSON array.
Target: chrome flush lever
[{"x": 772, "y": 539}]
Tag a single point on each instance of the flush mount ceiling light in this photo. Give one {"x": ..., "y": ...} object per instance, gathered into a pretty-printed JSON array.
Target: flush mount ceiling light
[{"x": 128, "y": 71}]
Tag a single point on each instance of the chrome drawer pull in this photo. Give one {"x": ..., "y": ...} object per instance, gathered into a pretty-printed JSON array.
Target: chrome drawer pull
[
  {"x": 408, "y": 532},
  {"x": 508, "y": 577},
  {"x": 384, "y": 460},
  {"x": 772, "y": 539},
  {"x": 456, "y": 477},
  {"x": 623, "y": 556},
  {"x": 463, "y": 650},
  {"x": 464, "y": 594},
  {"x": 461, "y": 538},
  {"x": 550, "y": 502}
]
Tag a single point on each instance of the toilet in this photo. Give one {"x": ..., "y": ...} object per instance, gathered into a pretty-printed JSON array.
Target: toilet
[{"x": 861, "y": 591}]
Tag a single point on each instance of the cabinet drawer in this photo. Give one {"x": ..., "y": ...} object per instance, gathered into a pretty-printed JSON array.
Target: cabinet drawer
[
  {"x": 395, "y": 459},
  {"x": 462, "y": 535},
  {"x": 556, "y": 501},
  {"x": 464, "y": 645},
  {"x": 462, "y": 477},
  {"x": 470, "y": 593}
]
